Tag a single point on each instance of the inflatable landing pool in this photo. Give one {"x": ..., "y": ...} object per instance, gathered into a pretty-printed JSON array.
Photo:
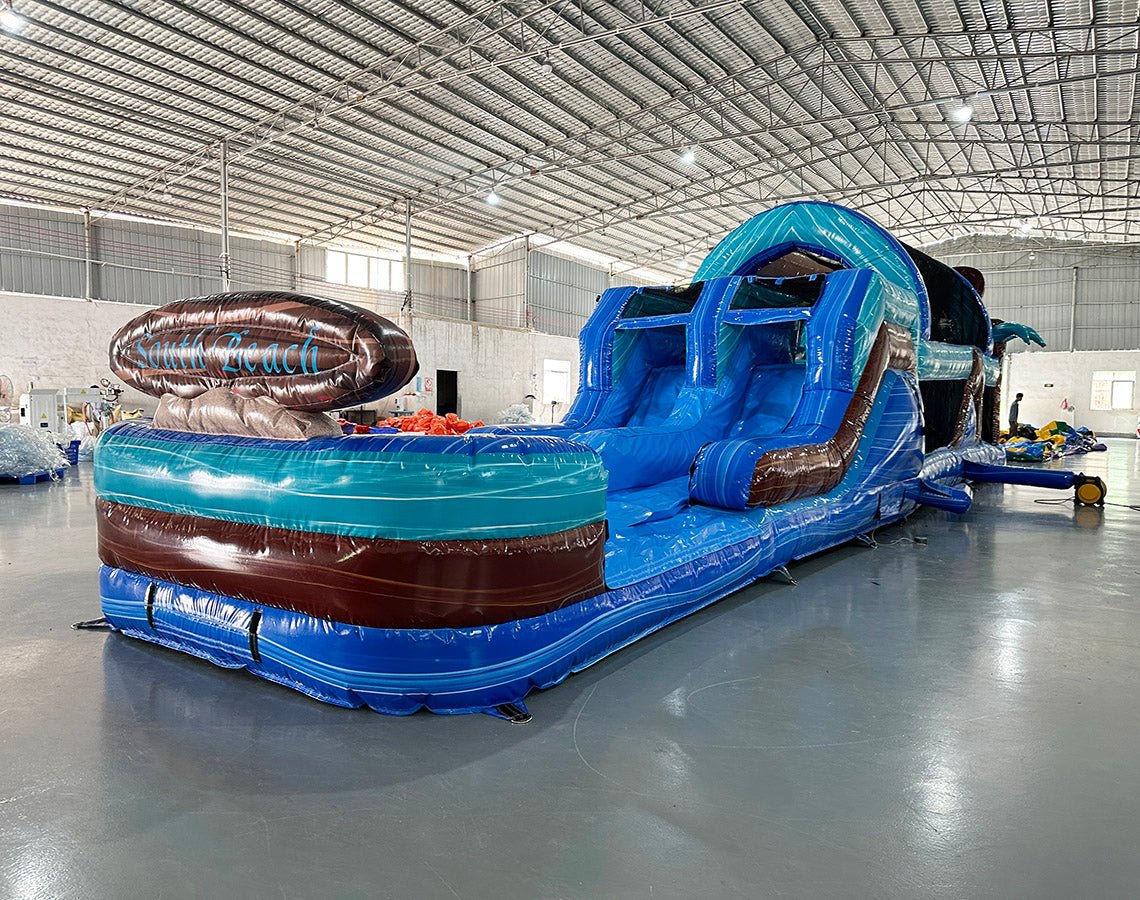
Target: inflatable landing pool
[{"x": 817, "y": 380}]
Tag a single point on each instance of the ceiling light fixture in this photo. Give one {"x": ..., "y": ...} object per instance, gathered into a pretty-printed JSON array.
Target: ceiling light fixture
[
  {"x": 545, "y": 67},
  {"x": 1025, "y": 227},
  {"x": 689, "y": 156},
  {"x": 962, "y": 113},
  {"x": 493, "y": 198},
  {"x": 10, "y": 20}
]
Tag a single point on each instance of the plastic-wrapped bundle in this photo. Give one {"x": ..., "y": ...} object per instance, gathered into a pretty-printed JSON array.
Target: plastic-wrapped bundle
[
  {"x": 516, "y": 414},
  {"x": 24, "y": 451}
]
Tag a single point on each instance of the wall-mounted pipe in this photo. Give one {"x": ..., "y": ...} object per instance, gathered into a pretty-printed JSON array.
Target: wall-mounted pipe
[
  {"x": 1073, "y": 313},
  {"x": 88, "y": 255},
  {"x": 470, "y": 288},
  {"x": 526, "y": 283},
  {"x": 407, "y": 304},
  {"x": 224, "y": 184}
]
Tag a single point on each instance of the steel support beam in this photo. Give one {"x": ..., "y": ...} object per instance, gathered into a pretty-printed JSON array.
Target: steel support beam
[
  {"x": 398, "y": 77},
  {"x": 407, "y": 304}
]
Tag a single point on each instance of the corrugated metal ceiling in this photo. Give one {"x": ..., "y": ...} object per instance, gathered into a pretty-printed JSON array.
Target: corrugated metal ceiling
[{"x": 338, "y": 113}]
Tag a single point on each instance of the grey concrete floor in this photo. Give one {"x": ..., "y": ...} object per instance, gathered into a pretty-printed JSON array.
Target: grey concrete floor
[{"x": 956, "y": 719}]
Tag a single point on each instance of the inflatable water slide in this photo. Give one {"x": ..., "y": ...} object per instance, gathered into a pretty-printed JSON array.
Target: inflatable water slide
[{"x": 818, "y": 379}]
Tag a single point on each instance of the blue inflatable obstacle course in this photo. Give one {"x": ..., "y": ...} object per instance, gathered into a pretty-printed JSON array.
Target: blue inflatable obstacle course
[{"x": 817, "y": 380}]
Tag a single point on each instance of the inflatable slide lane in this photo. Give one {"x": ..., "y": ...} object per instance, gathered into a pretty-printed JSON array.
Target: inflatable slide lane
[{"x": 817, "y": 379}]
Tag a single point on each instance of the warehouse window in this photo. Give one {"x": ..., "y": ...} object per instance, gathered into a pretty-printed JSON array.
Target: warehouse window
[
  {"x": 1113, "y": 390},
  {"x": 652, "y": 301},
  {"x": 556, "y": 381},
  {"x": 356, "y": 270},
  {"x": 359, "y": 270}
]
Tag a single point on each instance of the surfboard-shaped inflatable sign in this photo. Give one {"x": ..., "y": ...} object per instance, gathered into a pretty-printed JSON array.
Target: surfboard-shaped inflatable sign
[{"x": 307, "y": 353}]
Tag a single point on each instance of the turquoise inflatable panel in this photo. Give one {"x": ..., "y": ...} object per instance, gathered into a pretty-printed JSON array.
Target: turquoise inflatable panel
[
  {"x": 404, "y": 495},
  {"x": 835, "y": 231},
  {"x": 952, "y": 362}
]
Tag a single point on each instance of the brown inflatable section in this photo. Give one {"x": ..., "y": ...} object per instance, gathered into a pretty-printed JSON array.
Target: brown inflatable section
[
  {"x": 306, "y": 353},
  {"x": 993, "y": 401},
  {"x": 358, "y": 581},
  {"x": 971, "y": 396},
  {"x": 221, "y": 411},
  {"x": 975, "y": 277},
  {"x": 793, "y": 473}
]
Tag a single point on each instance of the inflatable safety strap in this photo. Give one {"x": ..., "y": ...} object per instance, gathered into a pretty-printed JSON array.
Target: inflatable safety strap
[{"x": 791, "y": 473}]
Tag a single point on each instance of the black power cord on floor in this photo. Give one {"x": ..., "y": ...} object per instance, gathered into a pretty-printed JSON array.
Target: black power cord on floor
[
  {"x": 905, "y": 539},
  {"x": 1050, "y": 501}
]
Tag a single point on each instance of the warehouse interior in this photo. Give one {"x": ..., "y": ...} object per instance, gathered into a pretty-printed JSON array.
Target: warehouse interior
[{"x": 937, "y": 702}]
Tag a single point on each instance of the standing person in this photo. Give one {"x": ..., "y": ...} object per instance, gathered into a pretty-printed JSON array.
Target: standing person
[{"x": 1014, "y": 409}]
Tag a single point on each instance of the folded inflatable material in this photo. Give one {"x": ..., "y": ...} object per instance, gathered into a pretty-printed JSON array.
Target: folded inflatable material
[
  {"x": 1019, "y": 450},
  {"x": 221, "y": 411},
  {"x": 306, "y": 353},
  {"x": 1054, "y": 428}
]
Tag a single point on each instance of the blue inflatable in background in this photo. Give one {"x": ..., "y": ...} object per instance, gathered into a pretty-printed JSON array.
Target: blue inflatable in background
[{"x": 817, "y": 380}]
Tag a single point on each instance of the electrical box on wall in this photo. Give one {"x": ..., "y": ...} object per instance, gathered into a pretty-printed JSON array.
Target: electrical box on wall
[
  {"x": 43, "y": 410},
  {"x": 75, "y": 397}
]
